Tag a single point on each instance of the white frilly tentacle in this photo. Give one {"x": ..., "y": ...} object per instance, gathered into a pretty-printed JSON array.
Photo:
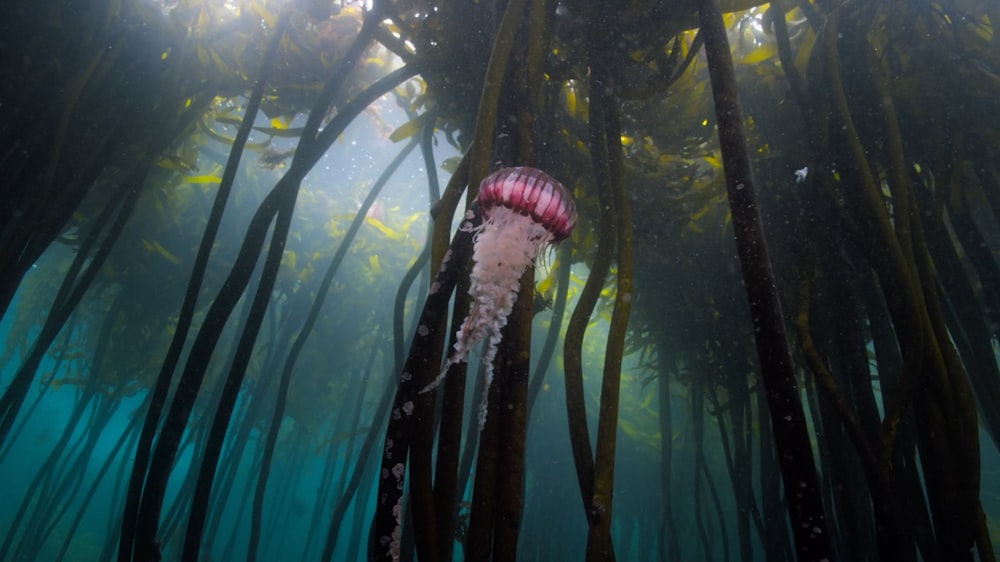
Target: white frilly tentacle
[{"x": 508, "y": 243}]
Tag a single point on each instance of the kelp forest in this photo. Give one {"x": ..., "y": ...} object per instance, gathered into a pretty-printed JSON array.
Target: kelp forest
[{"x": 244, "y": 272}]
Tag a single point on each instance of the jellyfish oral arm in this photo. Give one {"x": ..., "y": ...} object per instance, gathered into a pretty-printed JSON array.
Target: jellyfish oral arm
[{"x": 508, "y": 243}]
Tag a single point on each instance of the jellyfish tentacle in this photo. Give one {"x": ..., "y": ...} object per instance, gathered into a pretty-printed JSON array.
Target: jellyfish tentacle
[{"x": 526, "y": 210}]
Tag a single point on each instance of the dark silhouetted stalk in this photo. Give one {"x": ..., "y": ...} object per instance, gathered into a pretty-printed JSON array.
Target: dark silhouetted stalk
[
  {"x": 599, "y": 544},
  {"x": 798, "y": 468},
  {"x": 278, "y": 203},
  {"x": 362, "y": 460},
  {"x": 78, "y": 280},
  {"x": 512, "y": 411},
  {"x": 129, "y": 435},
  {"x": 418, "y": 370},
  {"x": 303, "y": 335},
  {"x": 555, "y": 326},
  {"x": 186, "y": 315}
]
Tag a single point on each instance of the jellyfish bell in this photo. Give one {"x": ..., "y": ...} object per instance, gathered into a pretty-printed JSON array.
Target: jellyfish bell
[
  {"x": 529, "y": 192},
  {"x": 524, "y": 210}
]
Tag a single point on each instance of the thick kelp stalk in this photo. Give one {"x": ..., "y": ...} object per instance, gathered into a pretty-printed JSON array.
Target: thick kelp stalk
[
  {"x": 88, "y": 261},
  {"x": 57, "y": 481},
  {"x": 185, "y": 317},
  {"x": 932, "y": 380},
  {"x": 879, "y": 257},
  {"x": 278, "y": 206},
  {"x": 386, "y": 529},
  {"x": 795, "y": 456},
  {"x": 499, "y": 482},
  {"x": 599, "y": 508},
  {"x": 302, "y": 336}
]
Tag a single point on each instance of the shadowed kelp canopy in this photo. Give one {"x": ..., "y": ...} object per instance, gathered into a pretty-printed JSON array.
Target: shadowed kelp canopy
[{"x": 229, "y": 277}]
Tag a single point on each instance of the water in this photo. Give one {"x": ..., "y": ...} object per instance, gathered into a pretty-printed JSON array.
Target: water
[{"x": 630, "y": 415}]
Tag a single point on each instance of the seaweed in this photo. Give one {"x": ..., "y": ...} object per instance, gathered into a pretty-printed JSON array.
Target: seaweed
[{"x": 151, "y": 151}]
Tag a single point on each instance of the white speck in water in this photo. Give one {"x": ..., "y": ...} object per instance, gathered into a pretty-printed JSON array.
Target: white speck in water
[{"x": 800, "y": 175}]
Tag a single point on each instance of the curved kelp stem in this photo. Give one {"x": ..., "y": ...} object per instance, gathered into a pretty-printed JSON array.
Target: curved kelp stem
[
  {"x": 130, "y": 434},
  {"x": 441, "y": 499},
  {"x": 576, "y": 411},
  {"x": 497, "y": 497},
  {"x": 932, "y": 379},
  {"x": 961, "y": 413},
  {"x": 54, "y": 488},
  {"x": 88, "y": 261},
  {"x": 187, "y": 309},
  {"x": 497, "y": 505},
  {"x": 38, "y": 495},
  {"x": 303, "y": 335},
  {"x": 419, "y": 370},
  {"x": 68, "y": 331},
  {"x": 555, "y": 327},
  {"x": 599, "y": 546},
  {"x": 670, "y": 550},
  {"x": 486, "y": 117},
  {"x": 281, "y": 199},
  {"x": 798, "y": 468},
  {"x": 364, "y": 458},
  {"x": 437, "y": 504},
  {"x": 285, "y": 205}
]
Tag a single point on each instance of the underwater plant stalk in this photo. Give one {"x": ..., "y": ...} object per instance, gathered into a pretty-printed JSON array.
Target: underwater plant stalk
[
  {"x": 39, "y": 496},
  {"x": 483, "y": 512},
  {"x": 185, "y": 316},
  {"x": 850, "y": 421},
  {"x": 890, "y": 535},
  {"x": 967, "y": 319},
  {"x": 363, "y": 460},
  {"x": 75, "y": 284},
  {"x": 963, "y": 417},
  {"x": 555, "y": 326},
  {"x": 418, "y": 370},
  {"x": 697, "y": 397},
  {"x": 286, "y": 204},
  {"x": 446, "y": 466},
  {"x": 736, "y": 452},
  {"x": 311, "y": 148},
  {"x": 774, "y": 533},
  {"x": 303, "y": 334},
  {"x": 892, "y": 268},
  {"x": 798, "y": 88},
  {"x": 925, "y": 380},
  {"x": 512, "y": 411},
  {"x": 798, "y": 467},
  {"x": 240, "y": 440},
  {"x": 449, "y": 440},
  {"x": 60, "y": 481},
  {"x": 599, "y": 545},
  {"x": 572, "y": 358},
  {"x": 443, "y": 211},
  {"x": 129, "y": 434},
  {"x": 486, "y": 116}
]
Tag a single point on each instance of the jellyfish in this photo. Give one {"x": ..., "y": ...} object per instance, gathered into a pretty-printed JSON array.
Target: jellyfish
[{"x": 525, "y": 210}]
